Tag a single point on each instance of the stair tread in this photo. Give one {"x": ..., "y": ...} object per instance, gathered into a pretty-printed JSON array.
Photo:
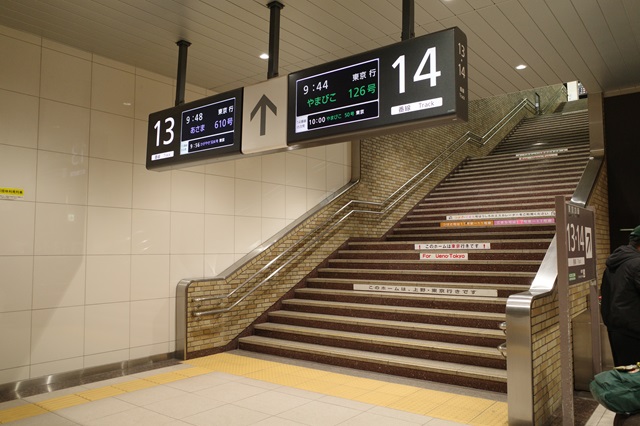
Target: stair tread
[
  {"x": 446, "y": 284},
  {"x": 398, "y": 309},
  {"x": 408, "y": 296},
  {"x": 417, "y": 251},
  {"x": 382, "y": 340},
  {"x": 427, "y": 272},
  {"x": 485, "y": 373},
  {"x": 445, "y": 262},
  {"x": 404, "y": 325}
]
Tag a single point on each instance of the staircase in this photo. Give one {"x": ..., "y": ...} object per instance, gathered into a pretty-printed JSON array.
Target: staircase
[{"x": 426, "y": 301}]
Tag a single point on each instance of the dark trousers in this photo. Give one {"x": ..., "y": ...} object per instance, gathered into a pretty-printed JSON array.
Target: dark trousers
[{"x": 625, "y": 347}]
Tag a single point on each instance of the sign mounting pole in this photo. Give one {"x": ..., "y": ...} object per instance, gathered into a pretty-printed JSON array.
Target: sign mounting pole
[
  {"x": 408, "y": 19},
  {"x": 181, "y": 79},
  {"x": 274, "y": 37}
]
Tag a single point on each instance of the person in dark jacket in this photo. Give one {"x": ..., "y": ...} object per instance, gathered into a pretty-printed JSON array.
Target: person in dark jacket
[{"x": 621, "y": 301}]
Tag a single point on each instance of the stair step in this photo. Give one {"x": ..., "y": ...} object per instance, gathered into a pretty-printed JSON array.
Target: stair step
[
  {"x": 435, "y": 244},
  {"x": 440, "y": 332},
  {"x": 449, "y": 276},
  {"x": 461, "y": 301},
  {"x": 424, "y": 349},
  {"x": 427, "y": 315},
  {"x": 386, "y": 306},
  {"x": 348, "y": 284},
  {"x": 395, "y": 265},
  {"x": 465, "y": 375}
]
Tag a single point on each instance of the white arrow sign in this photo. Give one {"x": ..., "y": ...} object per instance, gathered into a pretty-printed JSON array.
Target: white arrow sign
[{"x": 264, "y": 116}]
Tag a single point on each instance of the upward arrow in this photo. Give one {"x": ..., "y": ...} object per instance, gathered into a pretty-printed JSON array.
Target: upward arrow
[{"x": 262, "y": 105}]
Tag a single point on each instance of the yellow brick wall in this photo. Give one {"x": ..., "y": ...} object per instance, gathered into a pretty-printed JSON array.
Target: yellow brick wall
[{"x": 386, "y": 163}]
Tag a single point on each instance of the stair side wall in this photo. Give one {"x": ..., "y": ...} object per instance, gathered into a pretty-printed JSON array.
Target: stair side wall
[
  {"x": 547, "y": 392},
  {"x": 386, "y": 163}
]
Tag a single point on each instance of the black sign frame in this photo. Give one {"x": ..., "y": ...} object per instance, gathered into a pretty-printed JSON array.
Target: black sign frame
[
  {"x": 414, "y": 83},
  {"x": 196, "y": 132}
]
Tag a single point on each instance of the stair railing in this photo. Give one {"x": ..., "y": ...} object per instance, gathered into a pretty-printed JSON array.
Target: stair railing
[
  {"x": 315, "y": 235},
  {"x": 519, "y": 346},
  {"x": 382, "y": 208}
]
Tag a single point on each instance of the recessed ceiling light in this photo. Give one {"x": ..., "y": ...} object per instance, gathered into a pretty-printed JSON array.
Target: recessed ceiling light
[
  {"x": 264, "y": 56},
  {"x": 521, "y": 67}
]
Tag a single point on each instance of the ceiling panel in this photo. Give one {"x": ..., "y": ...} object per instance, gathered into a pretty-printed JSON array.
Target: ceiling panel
[{"x": 594, "y": 41}]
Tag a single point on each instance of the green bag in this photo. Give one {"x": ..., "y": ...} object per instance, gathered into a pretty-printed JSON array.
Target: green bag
[{"x": 618, "y": 389}]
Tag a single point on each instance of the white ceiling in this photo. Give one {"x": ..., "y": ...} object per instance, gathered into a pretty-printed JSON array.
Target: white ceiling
[{"x": 594, "y": 41}]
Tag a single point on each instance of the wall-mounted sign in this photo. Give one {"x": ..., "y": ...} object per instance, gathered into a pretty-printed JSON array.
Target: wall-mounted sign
[
  {"x": 397, "y": 87},
  {"x": 196, "y": 131},
  {"x": 579, "y": 234},
  {"x": 11, "y": 193}
]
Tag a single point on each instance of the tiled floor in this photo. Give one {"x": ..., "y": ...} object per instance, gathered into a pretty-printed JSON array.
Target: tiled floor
[{"x": 234, "y": 389}]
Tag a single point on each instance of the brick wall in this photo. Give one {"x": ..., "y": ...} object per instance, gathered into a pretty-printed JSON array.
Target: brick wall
[
  {"x": 544, "y": 316},
  {"x": 386, "y": 164}
]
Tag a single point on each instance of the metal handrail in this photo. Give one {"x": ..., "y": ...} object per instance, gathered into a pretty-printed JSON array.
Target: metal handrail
[{"x": 406, "y": 188}]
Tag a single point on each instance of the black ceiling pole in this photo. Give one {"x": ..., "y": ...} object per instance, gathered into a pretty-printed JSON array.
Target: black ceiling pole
[
  {"x": 181, "y": 79},
  {"x": 274, "y": 37},
  {"x": 408, "y": 19}
]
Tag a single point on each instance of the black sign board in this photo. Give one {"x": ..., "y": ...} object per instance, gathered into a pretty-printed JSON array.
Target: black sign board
[
  {"x": 575, "y": 227},
  {"x": 410, "y": 84},
  {"x": 196, "y": 131}
]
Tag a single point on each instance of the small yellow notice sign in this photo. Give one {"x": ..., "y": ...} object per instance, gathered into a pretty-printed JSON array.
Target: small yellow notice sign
[{"x": 11, "y": 193}]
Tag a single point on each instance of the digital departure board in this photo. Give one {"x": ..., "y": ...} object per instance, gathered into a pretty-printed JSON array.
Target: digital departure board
[
  {"x": 196, "y": 131},
  {"x": 410, "y": 84}
]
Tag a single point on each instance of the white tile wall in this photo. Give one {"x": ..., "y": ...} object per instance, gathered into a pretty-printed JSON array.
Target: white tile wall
[
  {"x": 91, "y": 255},
  {"x": 64, "y": 128},
  {"x": 17, "y": 280},
  {"x": 58, "y": 281},
  {"x": 60, "y": 229},
  {"x": 18, "y": 119},
  {"x": 106, "y": 328},
  {"x": 16, "y": 222},
  {"x": 108, "y": 279},
  {"x": 111, "y": 136},
  {"x": 150, "y": 232},
  {"x": 19, "y": 66},
  {"x": 66, "y": 78},
  {"x": 15, "y": 327},
  {"x": 17, "y": 169},
  {"x": 57, "y": 334},
  {"x": 112, "y": 90},
  {"x": 62, "y": 178}
]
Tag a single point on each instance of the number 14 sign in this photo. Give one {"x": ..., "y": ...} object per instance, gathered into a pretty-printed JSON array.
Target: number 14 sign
[{"x": 410, "y": 84}]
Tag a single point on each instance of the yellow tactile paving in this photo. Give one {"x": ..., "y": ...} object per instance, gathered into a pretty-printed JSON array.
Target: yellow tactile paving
[
  {"x": 302, "y": 372},
  {"x": 463, "y": 409},
  {"x": 193, "y": 371},
  {"x": 348, "y": 392},
  {"x": 366, "y": 384},
  {"x": 495, "y": 415},
  {"x": 317, "y": 386},
  {"x": 134, "y": 385},
  {"x": 278, "y": 377},
  {"x": 161, "y": 379},
  {"x": 100, "y": 393},
  {"x": 61, "y": 402},
  {"x": 422, "y": 401},
  {"x": 21, "y": 412},
  {"x": 395, "y": 389}
]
